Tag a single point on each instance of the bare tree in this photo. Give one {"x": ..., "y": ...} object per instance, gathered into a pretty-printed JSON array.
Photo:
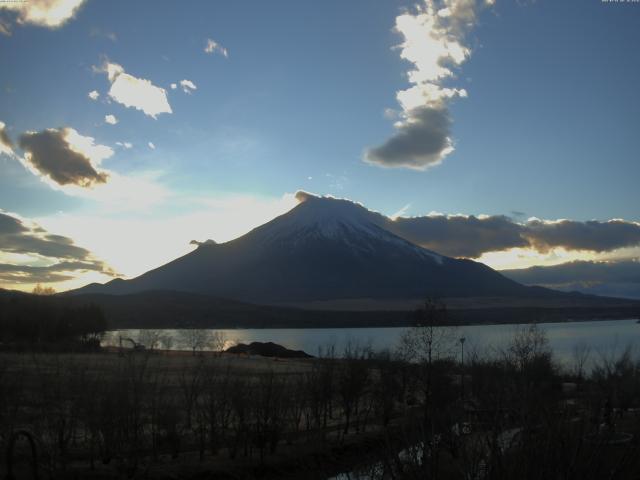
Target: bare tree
[
  {"x": 218, "y": 342},
  {"x": 194, "y": 339},
  {"x": 149, "y": 338},
  {"x": 167, "y": 341},
  {"x": 581, "y": 353}
]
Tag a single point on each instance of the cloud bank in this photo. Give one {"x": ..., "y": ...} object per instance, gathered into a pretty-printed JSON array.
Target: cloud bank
[
  {"x": 44, "y": 257},
  {"x": 434, "y": 42},
  {"x": 64, "y": 156},
  {"x": 601, "y": 278},
  {"x": 134, "y": 92},
  {"x": 471, "y": 236}
]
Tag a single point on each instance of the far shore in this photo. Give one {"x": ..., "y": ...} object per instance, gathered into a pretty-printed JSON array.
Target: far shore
[{"x": 394, "y": 319}]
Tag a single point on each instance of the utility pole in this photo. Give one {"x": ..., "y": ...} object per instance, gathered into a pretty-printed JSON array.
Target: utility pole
[{"x": 462, "y": 340}]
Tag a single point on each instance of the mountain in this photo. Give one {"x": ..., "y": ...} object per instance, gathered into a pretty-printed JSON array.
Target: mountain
[
  {"x": 324, "y": 249},
  {"x": 620, "y": 278}
]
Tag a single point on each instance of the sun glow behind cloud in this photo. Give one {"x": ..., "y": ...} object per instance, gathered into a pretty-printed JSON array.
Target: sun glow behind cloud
[
  {"x": 43, "y": 13},
  {"x": 136, "y": 244}
]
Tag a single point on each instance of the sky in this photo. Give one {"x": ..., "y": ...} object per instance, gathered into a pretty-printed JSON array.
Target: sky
[{"x": 501, "y": 131}]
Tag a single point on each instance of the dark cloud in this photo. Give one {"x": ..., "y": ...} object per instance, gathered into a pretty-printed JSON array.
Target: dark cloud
[
  {"x": 470, "y": 236},
  {"x": 64, "y": 257},
  {"x": 420, "y": 142},
  {"x": 50, "y": 153},
  {"x": 10, "y": 225},
  {"x": 592, "y": 235},
  {"x": 459, "y": 236},
  {"x": 57, "y": 272},
  {"x": 613, "y": 278}
]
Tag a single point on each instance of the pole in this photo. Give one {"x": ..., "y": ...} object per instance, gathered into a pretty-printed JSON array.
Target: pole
[{"x": 462, "y": 340}]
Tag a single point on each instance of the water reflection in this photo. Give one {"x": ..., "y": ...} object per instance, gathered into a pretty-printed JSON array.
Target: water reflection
[{"x": 604, "y": 338}]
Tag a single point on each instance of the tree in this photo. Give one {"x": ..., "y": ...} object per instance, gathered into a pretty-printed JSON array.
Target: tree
[
  {"x": 40, "y": 290},
  {"x": 166, "y": 341},
  {"x": 195, "y": 339},
  {"x": 149, "y": 338},
  {"x": 218, "y": 341}
]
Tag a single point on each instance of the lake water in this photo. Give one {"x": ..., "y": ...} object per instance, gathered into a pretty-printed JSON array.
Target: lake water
[{"x": 605, "y": 338}]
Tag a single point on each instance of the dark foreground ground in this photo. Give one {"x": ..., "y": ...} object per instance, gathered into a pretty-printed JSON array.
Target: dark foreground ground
[{"x": 414, "y": 415}]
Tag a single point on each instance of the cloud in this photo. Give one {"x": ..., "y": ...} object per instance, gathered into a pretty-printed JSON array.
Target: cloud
[
  {"x": 152, "y": 145},
  {"x": 434, "y": 42},
  {"x": 187, "y": 86},
  {"x": 70, "y": 162},
  {"x": 64, "y": 156},
  {"x": 459, "y": 235},
  {"x": 592, "y": 235},
  {"x": 212, "y": 47},
  {"x": 6, "y": 145},
  {"x": 93, "y": 94},
  {"x": 41, "y": 13},
  {"x": 134, "y": 92},
  {"x": 472, "y": 236},
  {"x": 110, "y": 119},
  {"x": 39, "y": 256},
  {"x": 612, "y": 278},
  {"x": 422, "y": 141},
  {"x": 174, "y": 86}
]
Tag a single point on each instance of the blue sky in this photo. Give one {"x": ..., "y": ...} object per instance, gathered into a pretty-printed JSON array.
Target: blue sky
[{"x": 548, "y": 125}]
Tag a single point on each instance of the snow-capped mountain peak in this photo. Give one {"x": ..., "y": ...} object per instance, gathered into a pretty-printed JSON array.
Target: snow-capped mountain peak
[{"x": 337, "y": 220}]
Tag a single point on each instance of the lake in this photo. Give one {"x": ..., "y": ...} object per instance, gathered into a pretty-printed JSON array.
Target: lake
[{"x": 605, "y": 338}]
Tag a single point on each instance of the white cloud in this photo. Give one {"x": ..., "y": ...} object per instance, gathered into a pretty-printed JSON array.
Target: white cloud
[
  {"x": 93, "y": 94},
  {"x": 187, "y": 86},
  {"x": 110, "y": 119},
  {"x": 126, "y": 145},
  {"x": 42, "y": 13},
  {"x": 138, "y": 93},
  {"x": 212, "y": 47},
  {"x": 434, "y": 43},
  {"x": 152, "y": 146},
  {"x": 174, "y": 86}
]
